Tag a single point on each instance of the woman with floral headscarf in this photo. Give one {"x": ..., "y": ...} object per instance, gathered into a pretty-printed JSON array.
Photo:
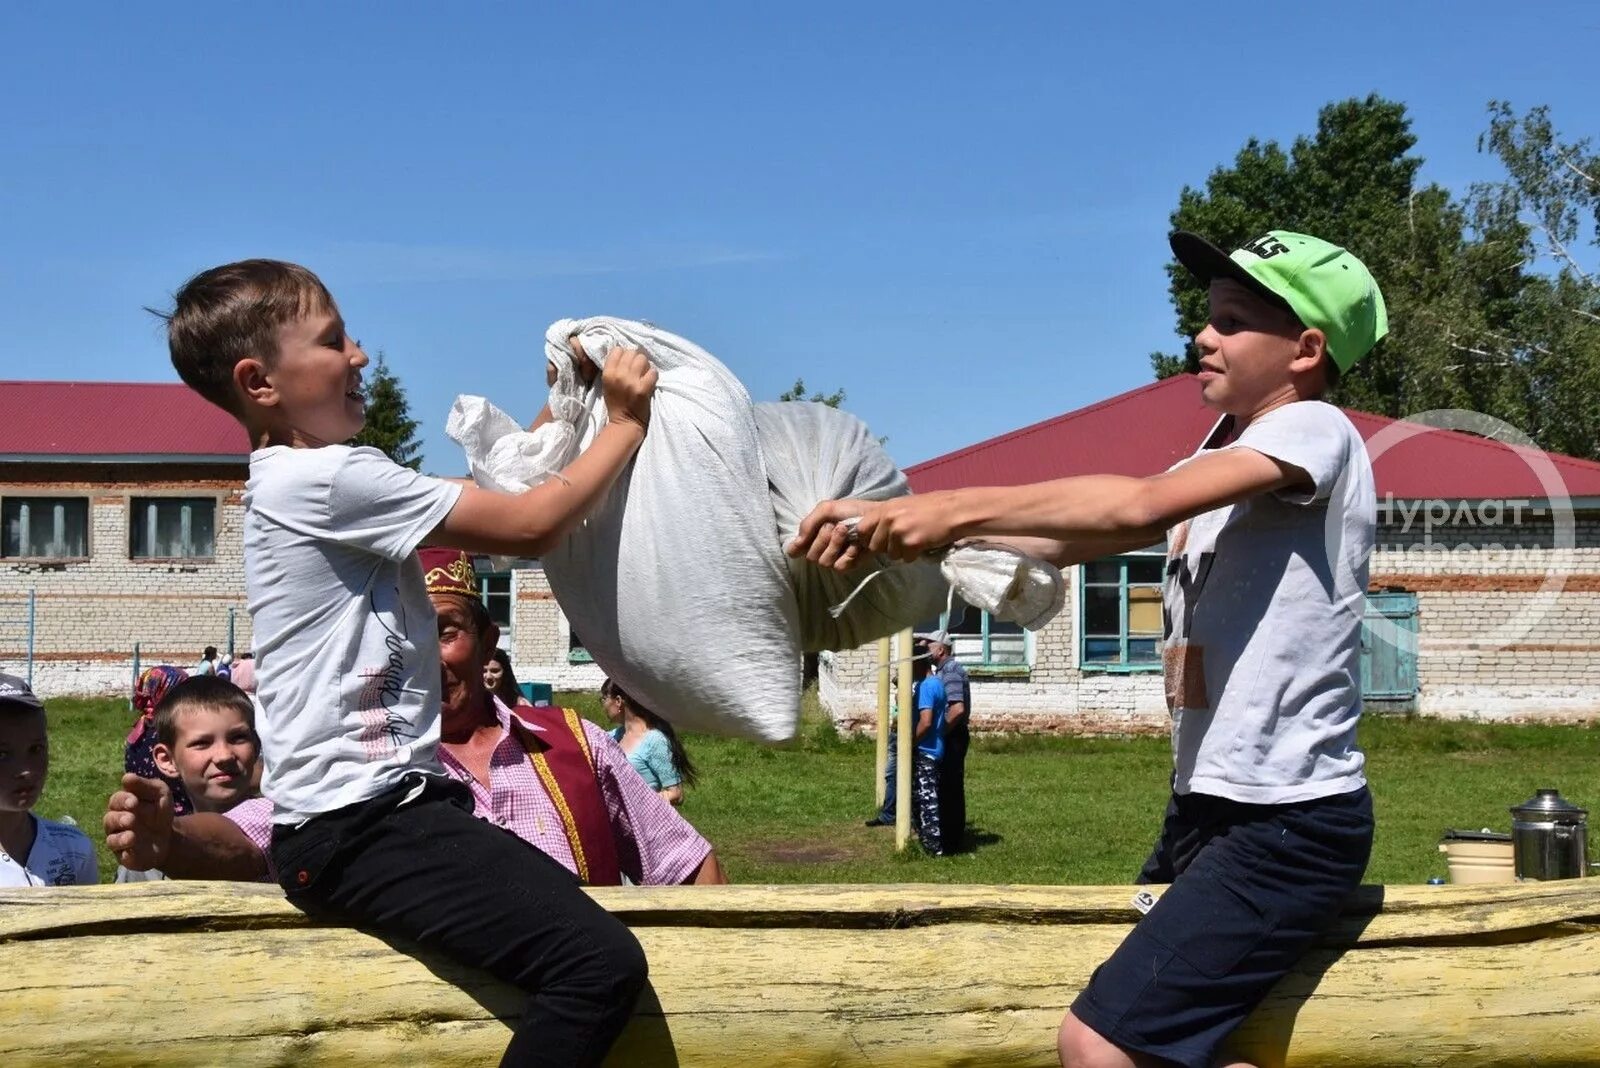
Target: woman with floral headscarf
[{"x": 137, "y": 757}]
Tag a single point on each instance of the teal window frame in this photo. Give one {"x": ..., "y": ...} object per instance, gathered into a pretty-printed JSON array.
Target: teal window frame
[
  {"x": 988, "y": 665},
  {"x": 509, "y": 597},
  {"x": 1122, "y": 665},
  {"x": 576, "y": 653}
]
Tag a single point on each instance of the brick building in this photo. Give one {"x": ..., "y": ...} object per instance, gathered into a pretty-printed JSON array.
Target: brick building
[
  {"x": 120, "y": 515},
  {"x": 1485, "y": 582}
]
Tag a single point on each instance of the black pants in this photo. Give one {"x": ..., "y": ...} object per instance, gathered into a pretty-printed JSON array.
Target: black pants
[
  {"x": 430, "y": 871},
  {"x": 953, "y": 786},
  {"x": 925, "y": 815}
]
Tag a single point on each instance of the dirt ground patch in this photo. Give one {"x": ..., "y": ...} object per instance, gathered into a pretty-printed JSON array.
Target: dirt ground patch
[{"x": 812, "y": 850}]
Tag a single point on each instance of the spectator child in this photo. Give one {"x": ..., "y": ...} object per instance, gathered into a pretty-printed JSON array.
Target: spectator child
[
  {"x": 33, "y": 851},
  {"x": 205, "y": 740}
]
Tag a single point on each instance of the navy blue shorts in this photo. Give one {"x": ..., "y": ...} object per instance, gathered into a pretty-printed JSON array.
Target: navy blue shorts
[{"x": 1252, "y": 888}]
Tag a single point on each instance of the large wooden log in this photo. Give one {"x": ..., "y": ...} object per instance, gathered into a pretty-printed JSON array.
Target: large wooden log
[{"x": 891, "y": 976}]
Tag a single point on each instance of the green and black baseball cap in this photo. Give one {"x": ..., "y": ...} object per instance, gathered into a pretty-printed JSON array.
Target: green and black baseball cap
[{"x": 1323, "y": 284}]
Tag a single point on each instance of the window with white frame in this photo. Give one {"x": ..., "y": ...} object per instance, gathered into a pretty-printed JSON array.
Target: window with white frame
[
  {"x": 44, "y": 528},
  {"x": 979, "y": 640},
  {"x": 172, "y": 528},
  {"x": 1119, "y": 612}
]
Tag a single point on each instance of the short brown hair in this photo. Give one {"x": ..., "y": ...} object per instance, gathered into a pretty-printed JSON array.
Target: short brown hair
[
  {"x": 233, "y": 312},
  {"x": 200, "y": 691}
]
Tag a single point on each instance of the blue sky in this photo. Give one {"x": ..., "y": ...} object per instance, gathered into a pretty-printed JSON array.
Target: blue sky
[{"x": 957, "y": 212}]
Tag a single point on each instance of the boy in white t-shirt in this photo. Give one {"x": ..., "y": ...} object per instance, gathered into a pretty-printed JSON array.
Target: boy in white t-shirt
[
  {"x": 33, "y": 851},
  {"x": 1269, "y": 527},
  {"x": 367, "y": 827}
]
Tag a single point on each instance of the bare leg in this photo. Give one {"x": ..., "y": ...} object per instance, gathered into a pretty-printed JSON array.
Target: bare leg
[{"x": 1081, "y": 1046}]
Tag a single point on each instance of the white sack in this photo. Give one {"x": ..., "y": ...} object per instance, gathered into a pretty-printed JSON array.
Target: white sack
[
  {"x": 1005, "y": 583},
  {"x": 500, "y": 454},
  {"x": 815, "y": 453},
  {"x": 675, "y": 583}
]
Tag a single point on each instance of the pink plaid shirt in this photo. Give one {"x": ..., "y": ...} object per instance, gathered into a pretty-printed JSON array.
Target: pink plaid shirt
[{"x": 655, "y": 845}]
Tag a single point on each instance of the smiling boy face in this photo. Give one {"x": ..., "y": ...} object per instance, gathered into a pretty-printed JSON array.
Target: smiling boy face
[
  {"x": 214, "y": 754},
  {"x": 1248, "y": 349},
  {"x": 316, "y": 379}
]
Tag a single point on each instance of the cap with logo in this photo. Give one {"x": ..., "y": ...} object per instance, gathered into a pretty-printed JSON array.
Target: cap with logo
[
  {"x": 1323, "y": 284},
  {"x": 15, "y": 691}
]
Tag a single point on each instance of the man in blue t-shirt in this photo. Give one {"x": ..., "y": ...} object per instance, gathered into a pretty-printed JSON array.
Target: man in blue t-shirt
[
  {"x": 953, "y": 761},
  {"x": 928, "y": 734}
]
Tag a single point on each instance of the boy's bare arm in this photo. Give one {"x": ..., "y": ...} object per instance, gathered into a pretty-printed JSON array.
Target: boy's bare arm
[
  {"x": 206, "y": 845},
  {"x": 1064, "y": 553},
  {"x": 532, "y": 523},
  {"x": 1094, "y": 511},
  {"x": 143, "y": 834}
]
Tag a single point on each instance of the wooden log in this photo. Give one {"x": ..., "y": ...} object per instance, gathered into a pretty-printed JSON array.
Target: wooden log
[{"x": 891, "y": 976}]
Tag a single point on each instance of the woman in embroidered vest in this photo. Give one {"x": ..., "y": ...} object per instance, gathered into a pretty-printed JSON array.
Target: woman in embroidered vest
[{"x": 653, "y": 747}]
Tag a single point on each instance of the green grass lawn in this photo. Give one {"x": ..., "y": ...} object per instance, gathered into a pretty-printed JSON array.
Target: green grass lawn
[{"x": 1045, "y": 810}]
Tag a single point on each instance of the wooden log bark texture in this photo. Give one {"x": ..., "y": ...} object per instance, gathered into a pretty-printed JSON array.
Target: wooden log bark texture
[{"x": 888, "y": 976}]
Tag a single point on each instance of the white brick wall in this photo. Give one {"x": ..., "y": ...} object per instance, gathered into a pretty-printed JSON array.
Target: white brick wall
[{"x": 540, "y": 637}]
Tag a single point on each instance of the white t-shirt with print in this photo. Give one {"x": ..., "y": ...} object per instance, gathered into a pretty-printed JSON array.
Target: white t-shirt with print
[
  {"x": 1263, "y": 603},
  {"x": 347, "y": 649},
  {"x": 61, "y": 856}
]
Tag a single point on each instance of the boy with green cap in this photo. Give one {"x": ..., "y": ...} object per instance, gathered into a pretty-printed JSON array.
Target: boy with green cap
[{"x": 1269, "y": 527}]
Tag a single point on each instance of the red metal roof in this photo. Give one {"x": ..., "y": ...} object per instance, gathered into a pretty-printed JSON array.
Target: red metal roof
[
  {"x": 1147, "y": 430},
  {"x": 108, "y": 420}
]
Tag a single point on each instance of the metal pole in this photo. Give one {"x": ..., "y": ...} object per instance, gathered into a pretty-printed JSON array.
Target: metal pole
[
  {"x": 31, "y": 617},
  {"x": 231, "y": 610},
  {"x": 880, "y": 788},
  {"x": 135, "y": 686},
  {"x": 902, "y": 771}
]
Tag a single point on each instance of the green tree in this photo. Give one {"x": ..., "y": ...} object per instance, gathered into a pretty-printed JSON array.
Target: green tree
[
  {"x": 1545, "y": 215},
  {"x": 1354, "y": 182},
  {"x": 389, "y": 426},
  {"x": 797, "y": 392}
]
